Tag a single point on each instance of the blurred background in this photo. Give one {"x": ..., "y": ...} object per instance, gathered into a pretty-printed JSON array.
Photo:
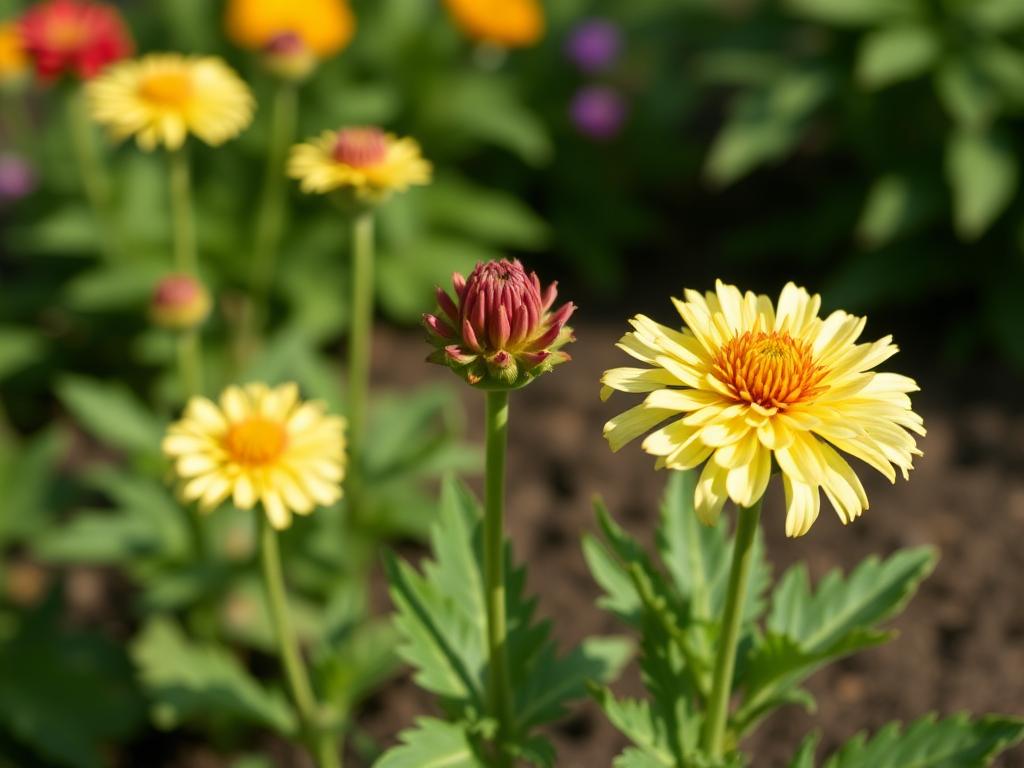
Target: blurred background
[{"x": 867, "y": 149}]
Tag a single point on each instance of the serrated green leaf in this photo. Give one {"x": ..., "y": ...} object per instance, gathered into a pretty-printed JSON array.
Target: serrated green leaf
[
  {"x": 996, "y": 15},
  {"x": 896, "y": 53},
  {"x": 101, "y": 537},
  {"x": 637, "y": 758},
  {"x": 111, "y": 413},
  {"x": 440, "y": 616},
  {"x": 982, "y": 170},
  {"x": 967, "y": 94},
  {"x": 637, "y": 721},
  {"x": 806, "y": 629},
  {"x": 114, "y": 286},
  {"x": 27, "y": 478},
  {"x": 956, "y": 742},
  {"x": 873, "y": 592},
  {"x": 896, "y": 205},
  {"x": 433, "y": 744},
  {"x": 699, "y": 556},
  {"x": 190, "y": 682}
]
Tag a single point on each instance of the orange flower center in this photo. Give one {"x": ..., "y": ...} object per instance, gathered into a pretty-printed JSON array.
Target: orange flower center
[
  {"x": 166, "y": 89},
  {"x": 773, "y": 369},
  {"x": 361, "y": 147},
  {"x": 255, "y": 441}
]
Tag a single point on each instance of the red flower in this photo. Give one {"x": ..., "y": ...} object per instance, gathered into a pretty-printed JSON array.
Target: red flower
[
  {"x": 499, "y": 332},
  {"x": 70, "y": 36}
]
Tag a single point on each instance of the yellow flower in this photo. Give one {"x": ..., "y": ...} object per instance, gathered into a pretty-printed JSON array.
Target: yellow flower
[
  {"x": 260, "y": 445},
  {"x": 163, "y": 97},
  {"x": 13, "y": 62},
  {"x": 325, "y": 26},
  {"x": 365, "y": 161},
  {"x": 746, "y": 382},
  {"x": 508, "y": 23}
]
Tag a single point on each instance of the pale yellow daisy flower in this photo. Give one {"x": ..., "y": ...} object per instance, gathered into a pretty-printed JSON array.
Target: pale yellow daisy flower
[
  {"x": 161, "y": 98},
  {"x": 365, "y": 161},
  {"x": 746, "y": 382},
  {"x": 259, "y": 446}
]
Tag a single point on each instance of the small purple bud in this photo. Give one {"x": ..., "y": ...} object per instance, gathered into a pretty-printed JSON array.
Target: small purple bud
[
  {"x": 17, "y": 178},
  {"x": 594, "y": 45},
  {"x": 598, "y": 112}
]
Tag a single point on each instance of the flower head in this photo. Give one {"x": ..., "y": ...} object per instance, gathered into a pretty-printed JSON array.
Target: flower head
[
  {"x": 74, "y": 37},
  {"x": 507, "y": 23},
  {"x": 161, "y": 98},
  {"x": 598, "y": 112},
  {"x": 288, "y": 57},
  {"x": 259, "y": 446},
  {"x": 13, "y": 60},
  {"x": 324, "y": 26},
  {"x": 593, "y": 45},
  {"x": 746, "y": 382},
  {"x": 363, "y": 161},
  {"x": 180, "y": 303},
  {"x": 499, "y": 331}
]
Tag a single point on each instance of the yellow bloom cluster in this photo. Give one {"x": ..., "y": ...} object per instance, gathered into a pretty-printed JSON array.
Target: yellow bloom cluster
[
  {"x": 161, "y": 98},
  {"x": 259, "y": 445},
  {"x": 748, "y": 381}
]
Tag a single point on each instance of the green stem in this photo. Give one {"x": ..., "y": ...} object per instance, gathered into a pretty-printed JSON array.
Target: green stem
[
  {"x": 185, "y": 259},
  {"x": 92, "y": 171},
  {"x": 494, "y": 562},
  {"x": 732, "y": 620},
  {"x": 18, "y": 123},
  {"x": 319, "y": 741},
  {"x": 190, "y": 363},
  {"x": 270, "y": 217},
  {"x": 359, "y": 346}
]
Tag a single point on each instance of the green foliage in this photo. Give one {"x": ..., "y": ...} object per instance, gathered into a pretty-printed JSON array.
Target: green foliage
[
  {"x": 440, "y": 619},
  {"x": 677, "y": 609},
  {"x": 69, "y": 695},
  {"x": 191, "y": 682},
  {"x": 433, "y": 744},
  {"x": 954, "y": 742},
  {"x": 112, "y": 414}
]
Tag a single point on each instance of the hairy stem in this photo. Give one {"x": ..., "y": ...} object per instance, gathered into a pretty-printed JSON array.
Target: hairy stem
[
  {"x": 185, "y": 259},
  {"x": 319, "y": 741},
  {"x": 494, "y": 562},
  {"x": 359, "y": 348},
  {"x": 732, "y": 619}
]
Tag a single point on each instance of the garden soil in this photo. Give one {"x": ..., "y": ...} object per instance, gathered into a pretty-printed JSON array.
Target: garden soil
[{"x": 960, "y": 643}]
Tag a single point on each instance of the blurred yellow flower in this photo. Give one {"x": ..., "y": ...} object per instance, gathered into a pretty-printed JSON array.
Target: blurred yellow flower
[
  {"x": 163, "y": 97},
  {"x": 259, "y": 446},
  {"x": 365, "y": 161},
  {"x": 747, "y": 382},
  {"x": 13, "y": 61},
  {"x": 508, "y": 23},
  {"x": 325, "y": 26}
]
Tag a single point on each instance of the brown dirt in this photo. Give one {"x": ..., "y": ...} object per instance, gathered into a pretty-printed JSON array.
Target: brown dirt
[{"x": 961, "y": 641}]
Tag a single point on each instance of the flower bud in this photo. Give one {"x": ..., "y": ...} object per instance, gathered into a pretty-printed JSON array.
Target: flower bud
[
  {"x": 499, "y": 331},
  {"x": 180, "y": 303},
  {"x": 594, "y": 45},
  {"x": 288, "y": 57}
]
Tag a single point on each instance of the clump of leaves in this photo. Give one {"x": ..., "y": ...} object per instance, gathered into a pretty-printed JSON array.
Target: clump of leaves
[
  {"x": 675, "y": 601},
  {"x": 441, "y": 622}
]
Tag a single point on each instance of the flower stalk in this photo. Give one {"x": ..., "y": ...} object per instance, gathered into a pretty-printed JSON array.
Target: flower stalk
[
  {"x": 185, "y": 259},
  {"x": 319, "y": 741},
  {"x": 360, "y": 343},
  {"x": 494, "y": 560},
  {"x": 270, "y": 220},
  {"x": 732, "y": 620}
]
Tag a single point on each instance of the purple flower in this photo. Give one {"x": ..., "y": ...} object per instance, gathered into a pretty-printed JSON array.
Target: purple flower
[
  {"x": 594, "y": 45},
  {"x": 17, "y": 179},
  {"x": 598, "y": 112}
]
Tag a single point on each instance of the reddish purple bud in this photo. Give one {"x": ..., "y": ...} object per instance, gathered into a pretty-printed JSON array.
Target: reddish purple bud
[{"x": 508, "y": 333}]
